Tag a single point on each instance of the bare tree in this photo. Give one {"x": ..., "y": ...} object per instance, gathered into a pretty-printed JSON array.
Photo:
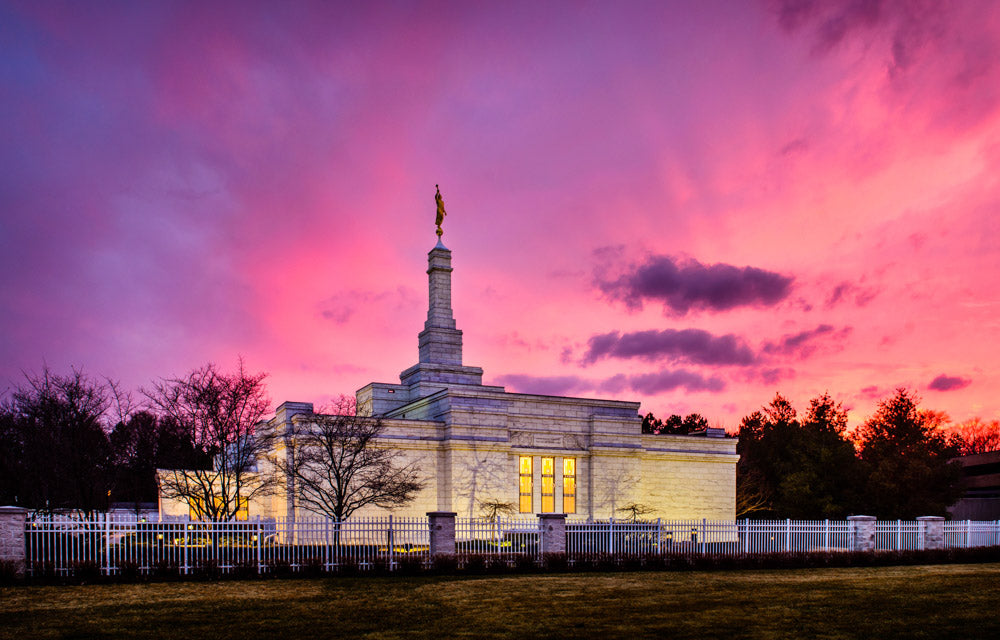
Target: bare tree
[
  {"x": 222, "y": 416},
  {"x": 976, "y": 436},
  {"x": 338, "y": 465},
  {"x": 56, "y": 443},
  {"x": 634, "y": 511}
]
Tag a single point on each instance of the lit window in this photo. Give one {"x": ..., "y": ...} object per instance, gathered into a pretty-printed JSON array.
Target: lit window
[
  {"x": 524, "y": 470},
  {"x": 548, "y": 485},
  {"x": 569, "y": 485}
]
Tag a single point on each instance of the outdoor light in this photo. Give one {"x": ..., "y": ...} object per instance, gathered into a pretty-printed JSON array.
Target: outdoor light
[
  {"x": 159, "y": 536},
  {"x": 255, "y": 538},
  {"x": 190, "y": 527}
]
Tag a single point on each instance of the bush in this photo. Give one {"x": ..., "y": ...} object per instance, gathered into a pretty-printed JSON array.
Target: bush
[
  {"x": 10, "y": 572},
  {"x": 85, "y": 570},
  {"x": 555, "y": 562}
]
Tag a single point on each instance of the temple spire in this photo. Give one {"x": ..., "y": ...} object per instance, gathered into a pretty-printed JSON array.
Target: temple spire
[{"x": 440, "y": 342}]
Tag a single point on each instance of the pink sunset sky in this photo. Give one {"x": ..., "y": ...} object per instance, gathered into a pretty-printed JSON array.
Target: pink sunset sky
[{"x": 689, "y": 204}]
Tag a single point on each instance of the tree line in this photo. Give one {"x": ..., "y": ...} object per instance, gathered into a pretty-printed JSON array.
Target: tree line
[
  {"x": 899, "y": 464},
  {"x": 79, "y": 443}
]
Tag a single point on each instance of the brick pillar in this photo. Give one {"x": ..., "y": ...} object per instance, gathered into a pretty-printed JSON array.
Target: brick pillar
[
  {"x": 12, "y": 521},
  {"x": 930, "y": 532},
  {"x": 553, "y": 526},
  {"x": 442, "y": 525},
  {"x": 862, "y": 533}
]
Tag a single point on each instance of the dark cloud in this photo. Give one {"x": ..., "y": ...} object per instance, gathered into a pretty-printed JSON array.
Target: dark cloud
[
  {"x": 690, "y": 285},
  {"x": 803, "y": 344},
  {"x": 832, "y": 21},
  {"x": 871, "y": 391},
  {"x": 768, "y": 375},
  {"x": 643, "y": 383},
  {"x": 546, "y": 385},
  {"x": 948, "y": 383},
  {"x": 850, "y": 293},
  {"x": 686, "y": 345},
  {"x": 658, "y": 382}
]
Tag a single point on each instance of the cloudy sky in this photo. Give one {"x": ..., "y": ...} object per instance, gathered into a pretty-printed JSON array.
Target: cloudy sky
[{"x": 690, "y": 204}]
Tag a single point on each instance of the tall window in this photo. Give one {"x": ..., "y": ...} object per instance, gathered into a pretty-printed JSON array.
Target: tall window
[
  {"x": 548, "y": 485},
  {"x": 569, "y": 485},
  {"x": 524, "y": 470}
]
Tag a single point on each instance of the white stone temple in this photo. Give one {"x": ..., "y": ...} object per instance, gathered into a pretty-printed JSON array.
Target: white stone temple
[{"x": 476, "y": 443}]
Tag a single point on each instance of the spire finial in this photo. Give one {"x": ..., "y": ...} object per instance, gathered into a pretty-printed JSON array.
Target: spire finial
[{"x": 440, "y": 210}]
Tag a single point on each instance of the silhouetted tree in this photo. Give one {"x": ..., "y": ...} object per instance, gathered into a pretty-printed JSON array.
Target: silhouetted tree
[
  {"x": 976, "y": 436},
  {"x": 57, "y": 454},
  {"x": 674, "y": 424},
  {"x": 793, "y": 469},
  {"x": 221, "y": 415},
  {"x": 906, "y": 461},
  {"x": 143, "y": 443},
  {"x": 339, "y": 466}
]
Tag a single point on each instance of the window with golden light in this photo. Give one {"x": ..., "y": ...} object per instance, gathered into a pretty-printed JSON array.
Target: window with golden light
[
  {"x": 569, "y": 485},
  {"x": 548, "y": 485},
  {"x": 524, "y": 472}
]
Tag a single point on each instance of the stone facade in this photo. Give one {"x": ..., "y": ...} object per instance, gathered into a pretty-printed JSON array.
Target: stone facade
[{"x": 469, "y": 440}]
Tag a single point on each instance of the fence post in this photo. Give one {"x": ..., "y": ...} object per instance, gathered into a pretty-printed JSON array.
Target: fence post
[
  {"x": 107, "y": 543},
  {"x": 12, "y": 549},
  {"x": 260, "y": 542},
  {"x": 391, "y": 544},
  {"x": 931, "y": 532},
  {"x": 862, "y": 533},
  {"x": 553, "y": 528},
  {"x": 788, "y": 535},
  {"x": 442, "y": 524},
  {"x": 826, "y": 535}
]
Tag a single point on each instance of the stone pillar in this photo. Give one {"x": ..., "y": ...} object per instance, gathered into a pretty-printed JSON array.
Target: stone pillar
[
  {"x": 553, "y": 536},
  {"x": 440, "y": 342},
  {"x": 442, "y": 525},
  {"x": 862, "y": 535},
  {"x": 930, "y": 532},
  {"x": 12, "y": 521}
]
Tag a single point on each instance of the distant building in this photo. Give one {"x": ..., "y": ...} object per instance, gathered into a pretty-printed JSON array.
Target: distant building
[
  {"x": 477, "y": 443},
  {"x": 981, "y": 472}
]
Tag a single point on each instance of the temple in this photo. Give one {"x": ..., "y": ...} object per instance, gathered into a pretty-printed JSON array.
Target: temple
[{"x": 477, "y": 444}]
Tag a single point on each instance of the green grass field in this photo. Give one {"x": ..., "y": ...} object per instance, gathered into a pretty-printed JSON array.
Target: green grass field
[{"x": 929, "y": 601}]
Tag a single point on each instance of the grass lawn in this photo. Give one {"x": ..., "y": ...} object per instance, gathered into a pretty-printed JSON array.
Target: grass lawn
[{"x": 930, "y": 601}]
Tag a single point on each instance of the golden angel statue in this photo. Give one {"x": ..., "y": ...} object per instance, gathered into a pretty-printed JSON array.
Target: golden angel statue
[{"x": 440, "y": 210}]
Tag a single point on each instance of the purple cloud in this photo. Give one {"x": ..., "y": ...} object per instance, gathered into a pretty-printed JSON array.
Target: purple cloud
[
  {"x": 688, "y": 345},
  {"x": 546, "y": 385},
  {"x": 643, "y": 383},
  {"x": 802, "y": 344},
  {"x": 658, "y": 382},
  {"x": 850, "y": 292},
  {"x": 690, "y": 285},
  {"x": 948, "y": 383}
]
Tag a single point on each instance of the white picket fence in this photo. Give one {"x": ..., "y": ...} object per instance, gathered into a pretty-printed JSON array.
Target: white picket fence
[
  {"x": 60, "y": 545},
  {"x": 113, "y": 544}
]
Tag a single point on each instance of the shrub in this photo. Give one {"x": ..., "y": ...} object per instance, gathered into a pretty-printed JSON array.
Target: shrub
[
  {"x": 555, "y": 562},
  {"x": 474, "y": 564},
  {"x": 10, "y": 572},
  {"x": 207, "y": 569},
  {"x": 85, "y": 570}
]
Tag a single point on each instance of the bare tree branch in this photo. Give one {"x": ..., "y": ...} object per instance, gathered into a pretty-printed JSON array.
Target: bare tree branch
[
  {"x": 222, "y": 415},
  {"x": 339, "y": 466}
]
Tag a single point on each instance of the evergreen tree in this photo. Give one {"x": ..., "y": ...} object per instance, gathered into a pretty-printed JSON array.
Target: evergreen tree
[{"x": 907, "y": 462}]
